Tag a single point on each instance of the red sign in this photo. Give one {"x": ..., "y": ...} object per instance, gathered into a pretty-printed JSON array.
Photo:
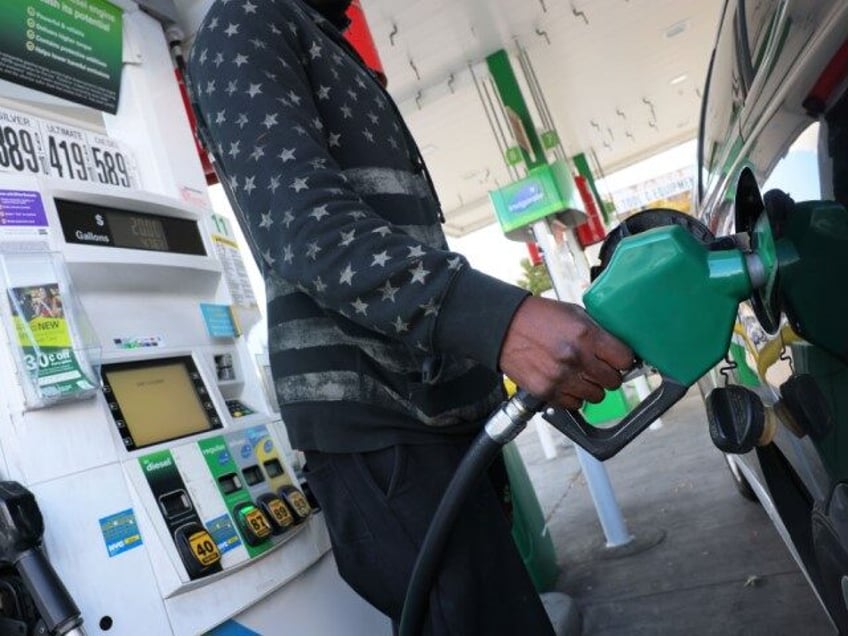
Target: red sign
[
  {"x": 593, "y": 230},
  {"x": 359, "y": 36}
]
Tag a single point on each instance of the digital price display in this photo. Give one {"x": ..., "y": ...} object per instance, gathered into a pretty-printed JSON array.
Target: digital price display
[
  {"x": 137, "y": 232},
  {"x": 90, "y": 224}
]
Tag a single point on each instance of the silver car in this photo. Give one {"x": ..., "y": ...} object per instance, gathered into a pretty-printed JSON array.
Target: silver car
[{"x": 775, "y": 116}]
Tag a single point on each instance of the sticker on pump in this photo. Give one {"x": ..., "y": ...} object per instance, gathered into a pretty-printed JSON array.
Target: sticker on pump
[
  {"x": 280, "y": 513},
  {"x": 203, "y": 548},
  {"x": 257, "y": 522}
]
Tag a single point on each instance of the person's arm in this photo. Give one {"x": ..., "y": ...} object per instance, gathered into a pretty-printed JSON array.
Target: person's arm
[
  {"x": 313, "y": 230},
  {"x": 308, "y": 224}
]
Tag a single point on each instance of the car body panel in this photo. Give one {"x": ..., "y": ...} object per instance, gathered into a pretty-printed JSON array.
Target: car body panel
[{"x": 755, "y": 129}]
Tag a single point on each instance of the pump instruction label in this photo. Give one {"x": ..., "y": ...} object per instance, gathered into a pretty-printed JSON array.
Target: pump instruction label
[
  {"x": 44, "y": 337},
  {"x": 120, "y": 532},
  {"x": 69, "y": 48},
  {"x": 22, "y": 215}
]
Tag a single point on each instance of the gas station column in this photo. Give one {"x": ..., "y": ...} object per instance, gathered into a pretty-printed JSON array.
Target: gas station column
[{"x": 524, "y": 130}]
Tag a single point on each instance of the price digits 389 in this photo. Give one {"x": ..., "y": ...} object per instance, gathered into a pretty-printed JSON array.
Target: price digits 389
[{"x": 17, "y": 150}]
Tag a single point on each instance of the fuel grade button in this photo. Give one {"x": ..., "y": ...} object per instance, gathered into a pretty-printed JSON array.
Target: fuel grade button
[
  {"x": 252, "y": 522},
  {"x": 296, "y": 502},
  {"x": 279, "y": 514},
  {"x": 197, "y": 549}
]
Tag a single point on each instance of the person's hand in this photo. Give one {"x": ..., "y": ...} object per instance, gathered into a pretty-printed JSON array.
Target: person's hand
[{"x": 559, "y": 354}]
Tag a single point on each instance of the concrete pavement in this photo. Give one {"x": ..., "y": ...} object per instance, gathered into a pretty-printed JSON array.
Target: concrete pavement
[{"x": 717, "y": 565}]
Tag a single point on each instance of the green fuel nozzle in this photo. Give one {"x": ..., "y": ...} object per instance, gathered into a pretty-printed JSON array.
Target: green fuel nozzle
[
  {"x": 671, "y": 292},
  {"x": 674, "y": 301}
]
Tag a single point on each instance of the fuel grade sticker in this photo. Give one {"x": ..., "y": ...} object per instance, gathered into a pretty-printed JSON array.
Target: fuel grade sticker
[{"x": 204, "y": 549}]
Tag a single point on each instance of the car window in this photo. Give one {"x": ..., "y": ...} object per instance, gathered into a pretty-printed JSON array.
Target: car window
[
  {"x": 723, "y": 101},
  {"x": 798, "y": 172},
  {"x": 759, "y": 22}
]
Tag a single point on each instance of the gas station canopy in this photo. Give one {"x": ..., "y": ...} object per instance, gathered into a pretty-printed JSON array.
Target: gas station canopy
[{"x": 621, "y": 78}]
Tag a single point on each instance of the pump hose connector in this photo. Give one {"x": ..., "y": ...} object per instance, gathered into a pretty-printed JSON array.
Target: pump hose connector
[{"x": 511, "y": 418}]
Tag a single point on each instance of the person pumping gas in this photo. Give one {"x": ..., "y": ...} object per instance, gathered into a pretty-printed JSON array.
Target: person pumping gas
[{"x": 387, "y": 348}]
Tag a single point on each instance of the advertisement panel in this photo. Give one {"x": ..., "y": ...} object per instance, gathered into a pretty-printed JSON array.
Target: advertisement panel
[{"x": 68, "y": 48}]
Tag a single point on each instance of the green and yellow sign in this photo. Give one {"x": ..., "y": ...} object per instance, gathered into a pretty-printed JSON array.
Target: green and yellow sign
[
  {"x": 68, "y": 48},
  {"x": 45, "y": 340}
]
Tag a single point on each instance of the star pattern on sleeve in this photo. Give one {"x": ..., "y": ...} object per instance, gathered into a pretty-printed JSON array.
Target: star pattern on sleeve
[{"x": 268, "y": 122}]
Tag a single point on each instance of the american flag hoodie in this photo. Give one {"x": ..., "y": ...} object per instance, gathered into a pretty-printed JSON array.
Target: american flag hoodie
[{"x": 378, "y": 334}]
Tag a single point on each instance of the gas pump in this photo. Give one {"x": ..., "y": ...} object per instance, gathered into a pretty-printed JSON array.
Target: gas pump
[
  {"x": 151, "y": 485},
  {"x": 172, "y": 476}
]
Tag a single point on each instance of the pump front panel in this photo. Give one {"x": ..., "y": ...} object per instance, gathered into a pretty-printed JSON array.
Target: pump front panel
[{"x": 136, "y": 416}]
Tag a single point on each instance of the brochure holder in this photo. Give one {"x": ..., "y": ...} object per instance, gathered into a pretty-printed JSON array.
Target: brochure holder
[{"x": 54, "y": 346}]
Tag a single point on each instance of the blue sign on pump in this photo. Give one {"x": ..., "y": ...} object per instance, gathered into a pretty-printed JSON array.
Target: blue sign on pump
[
  {"x": 120, "y": 532},
  {"x": 219, "y": 321}
]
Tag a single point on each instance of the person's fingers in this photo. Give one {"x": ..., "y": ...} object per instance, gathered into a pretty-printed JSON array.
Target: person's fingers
[
  {"x": 602, "y": 374},
  {"x": 614, "y": 352},
  {"x": 569, "y": 402},
  {"x": 583, "y": 390}
]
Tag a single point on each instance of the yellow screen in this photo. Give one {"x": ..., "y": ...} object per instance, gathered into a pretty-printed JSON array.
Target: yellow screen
[{"x": 159, "y": 402}]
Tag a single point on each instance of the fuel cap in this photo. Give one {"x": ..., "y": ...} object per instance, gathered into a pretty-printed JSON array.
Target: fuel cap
[{"x": 736, "y": 418}]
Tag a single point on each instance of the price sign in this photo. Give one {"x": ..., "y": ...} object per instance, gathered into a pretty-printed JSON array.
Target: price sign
[
  {"x": 31, "y": 145},
  {"x": 204, "y": 549},
  {"x": 67, "y": 152},
  {"x": 111, "y": 163},
  {"x": 21, "y": 150}
]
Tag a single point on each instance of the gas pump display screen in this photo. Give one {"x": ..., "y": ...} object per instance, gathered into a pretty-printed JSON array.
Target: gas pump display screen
[
  {"x": 90, "y": 224},
  {"x": 156, "y": 401}
]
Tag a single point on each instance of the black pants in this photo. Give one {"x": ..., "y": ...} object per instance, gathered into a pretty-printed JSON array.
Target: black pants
[{"x": 378, "y": 507}]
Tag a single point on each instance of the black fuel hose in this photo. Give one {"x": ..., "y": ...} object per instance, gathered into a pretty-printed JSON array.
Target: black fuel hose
[{"x": 482, "y": 452}]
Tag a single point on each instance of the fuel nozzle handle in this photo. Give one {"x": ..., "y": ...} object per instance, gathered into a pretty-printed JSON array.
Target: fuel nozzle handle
[
  {"x": 674, "y": 301},
  {"x": 21, "y": 532},
  {"x": 605, "y": 442}
]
